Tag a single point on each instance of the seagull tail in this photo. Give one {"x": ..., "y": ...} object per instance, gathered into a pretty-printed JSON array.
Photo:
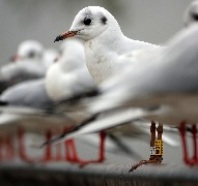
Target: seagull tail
[
  {"x": 64, "y": 135},
  {"x": 3, "y": 103},
  {"x": 77, "y": 97}
]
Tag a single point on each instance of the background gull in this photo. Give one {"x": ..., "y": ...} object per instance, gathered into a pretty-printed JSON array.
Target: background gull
[
  {"x": 28, "y": 63},
  {"x": 191, "y": 14},
  {"x": 69, "y": 76}
]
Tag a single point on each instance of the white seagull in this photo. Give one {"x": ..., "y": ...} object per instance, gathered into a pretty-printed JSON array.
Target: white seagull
[
  {"x": 106, "y": 47},
  {"x": 27, "y": 62}
]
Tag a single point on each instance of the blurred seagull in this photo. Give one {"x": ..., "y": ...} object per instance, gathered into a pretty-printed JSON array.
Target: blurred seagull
[
  {"x": 50, "y": 56},
  {"x": 25, "y": 65},
  {"x": 33, "y": 97},
  {"x": 69, "y": 76},
  {"x": 191, "y": 14},
  {"x": 28, "y": 62}
]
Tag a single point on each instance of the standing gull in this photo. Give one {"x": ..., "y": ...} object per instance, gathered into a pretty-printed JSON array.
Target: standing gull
[
  {"x": 107, "y": 50},
  {"x": 106, "y": 47}
]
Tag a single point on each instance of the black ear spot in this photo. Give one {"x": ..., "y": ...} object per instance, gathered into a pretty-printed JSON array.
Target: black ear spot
[
  {"x": 194, "y": 16},
  {"x": 104, "y": 20}
]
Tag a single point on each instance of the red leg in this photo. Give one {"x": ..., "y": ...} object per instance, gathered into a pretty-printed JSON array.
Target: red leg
[
  {"x": 71, "y": 152},
  {"x": 1, "y": 149},
  {"x": 67, "y": 152},
  {"x": 48, "y": 150},
  {"x": 72, "y": 156},
  {"x": 194, "y": 136},
  {"x": 182, "y": 131},
  {"x": 9, "y": 148},
  {"x": 101, "y": 157},
  {"x": 22, "y": 151},
  {"x": 186, "y": 158},
  {"x": 102, "y": 146}
]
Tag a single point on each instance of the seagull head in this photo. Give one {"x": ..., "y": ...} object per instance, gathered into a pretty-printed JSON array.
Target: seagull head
[
  {"x": 89, "y": 23},
  {"x": 30, "y": 49},
  {"x": 191, "y": 15}
]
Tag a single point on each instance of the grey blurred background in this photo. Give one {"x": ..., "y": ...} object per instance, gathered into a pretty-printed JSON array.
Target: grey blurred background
[{"x": 149, "y": 20}]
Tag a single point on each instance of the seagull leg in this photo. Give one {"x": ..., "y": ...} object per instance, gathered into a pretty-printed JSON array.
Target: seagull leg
[
  {"x": 156, "y": 147},
  {"x": 159, "y": 145},
  {"x": 9, "y": 148},
  {"x": 48, "y": 150},
  {"x": 102, "y": 146},
  {"x": 72, "y": 155},
  {"x": 1, "y": 148},
  {"x": 193, "y": 130},
  {"x": 71, "y": 150},
  {"x": 70, "y": 147},
  {"x": 101, "y": 157},
  {"x": 22, "y": 151},
  {"x": 194, "y": 136},
  {"x": 182, "y": 130}
]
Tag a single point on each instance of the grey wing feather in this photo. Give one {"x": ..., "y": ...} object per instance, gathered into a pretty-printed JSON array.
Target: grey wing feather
[{"x": 31, "y": 94}]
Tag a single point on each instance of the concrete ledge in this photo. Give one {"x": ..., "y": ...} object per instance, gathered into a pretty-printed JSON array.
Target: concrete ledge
[{"x": 60, "y": 174}]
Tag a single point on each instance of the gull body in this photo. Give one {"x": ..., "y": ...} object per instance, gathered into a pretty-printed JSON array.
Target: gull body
[{"x": 172, "y": 85}]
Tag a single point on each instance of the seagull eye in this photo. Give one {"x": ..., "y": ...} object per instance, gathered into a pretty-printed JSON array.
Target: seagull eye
[
  {"x": 31, "y": 54},
  {"x": 87, "y": 21}
]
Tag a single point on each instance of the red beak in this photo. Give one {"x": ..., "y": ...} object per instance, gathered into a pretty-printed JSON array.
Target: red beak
[
  {"x": 65, "y": 35},
  {"x": 14, "y": 58}
]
